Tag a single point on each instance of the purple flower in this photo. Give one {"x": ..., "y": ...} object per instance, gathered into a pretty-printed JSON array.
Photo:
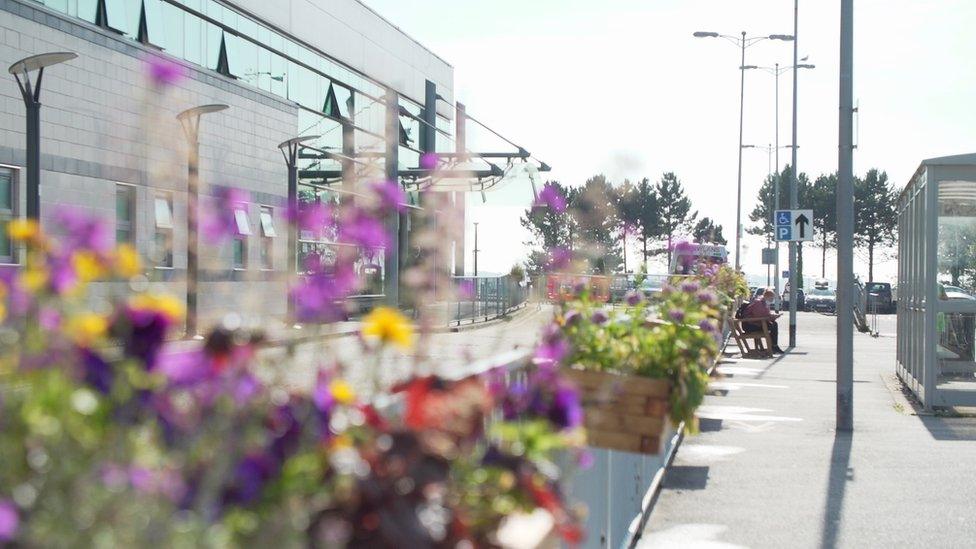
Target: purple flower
[
  {"x": 184, "y": 368},
  {"x": 552, "y": 197},
  {"x": 677, "y": 315},
  {"x": 599, "y": 317},
  {"x": 324, "y": 403},
  {"x": 552, "y": 349},
  {"x": 392, "y": 197},
  {"x": 566, "y": 410},
  {"x": 143, "y": 333},
  {"x": 250, "y": 475},
  {"x": 164, "y": 72},
  {"x": 97, "y": 372},
  {"x": 363, "y": 230},
  {"x": 684, "y": 247},
  {"x": 83, "y": 231},
  {"x": 559, "y": 259},
  {"x": 572, "y": 317},
  {"x": 429, "y": 161},
  {"x": 49, "y": 319},
  {"x": 706, "y": 297},
  {"x": 634, "y": 298},
  {"x": 9, "y": 520},
  {"x": 466, "y": 289},
  {"x": 707, "y": 326},
  {"x": 245, "y": 388},
  {"x": 585, "y": 459},
  {"x": 219, "y": 221},
  {"x": 689, "y": 287},
  {"x": 312, "y": 216},
  {"x": 318, "y": 296}
]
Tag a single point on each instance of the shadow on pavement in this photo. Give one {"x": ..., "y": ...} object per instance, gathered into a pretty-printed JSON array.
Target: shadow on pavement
[
  {"x": 709, "y": 425},
  {"x": 840, "y": 473},
  {"x": 950, "y": 428},
  {"x": 686, "y": 477}
]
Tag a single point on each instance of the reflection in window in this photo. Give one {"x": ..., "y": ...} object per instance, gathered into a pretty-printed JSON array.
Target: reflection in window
[
  {"x": 163, "y": 240},
  {"x": 268, "y": 234},
  {"x": 125, "y": 213}
]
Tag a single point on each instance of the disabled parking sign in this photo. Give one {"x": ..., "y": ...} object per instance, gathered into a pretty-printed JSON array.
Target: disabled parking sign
[{"x": 794, "y": 225}]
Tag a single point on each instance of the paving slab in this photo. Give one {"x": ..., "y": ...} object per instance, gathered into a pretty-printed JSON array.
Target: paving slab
[{"x": 769, "y": 470}]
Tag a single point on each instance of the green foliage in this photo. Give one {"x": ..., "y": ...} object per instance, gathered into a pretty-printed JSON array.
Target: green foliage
[
  {"x": 876, "y": 221},
  {"x": 707, "y": 232},
  {"x": 674, "y": 210},
  {"x": 824, "y": 204},
  {"x": 639, "y": 208},
  {"x": 593, "y": 209}
]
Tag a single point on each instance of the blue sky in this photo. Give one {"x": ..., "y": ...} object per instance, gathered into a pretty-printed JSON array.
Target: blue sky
[{"x": 621, "y": 87}]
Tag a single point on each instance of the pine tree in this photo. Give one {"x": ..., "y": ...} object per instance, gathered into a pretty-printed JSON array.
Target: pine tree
[
  {"x": 595, "y": 223},
  {"x": 876, "y": 219},
  {"x": 674, "y": 210},
  {"x": 638, "y": 207},
  {"x": 549, "y": 228},
  {"x": 707, "y": 232},
  {"x": 824, "y": 204}
]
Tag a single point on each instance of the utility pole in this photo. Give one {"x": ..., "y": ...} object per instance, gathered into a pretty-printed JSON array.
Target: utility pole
[
  {"x": 476, "y": 250},
  {"x": 738, "y": 195},
  {"x": 845, "y": 224},
  {"x": 794, "y": 179}
]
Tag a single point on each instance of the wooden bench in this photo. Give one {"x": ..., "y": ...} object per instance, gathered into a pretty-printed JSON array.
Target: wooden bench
[{"x": 758, "y": 337}]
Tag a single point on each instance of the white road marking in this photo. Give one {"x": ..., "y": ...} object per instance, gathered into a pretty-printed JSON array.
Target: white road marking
[{"x": 687, "y": 536}]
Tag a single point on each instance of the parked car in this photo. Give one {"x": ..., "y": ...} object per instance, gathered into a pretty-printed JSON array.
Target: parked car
[
  {"x": 800, "y": 300},
  {"x": 821, "y": 300},
  {"x": 758, "y": 292},
  {"x": 879, "y": 297},
  {"x": 955, "y": 292},
  {"x": 653, "y": 286}
]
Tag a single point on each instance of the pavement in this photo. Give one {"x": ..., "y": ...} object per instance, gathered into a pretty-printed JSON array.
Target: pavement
[{"x": 769, "y": 470}]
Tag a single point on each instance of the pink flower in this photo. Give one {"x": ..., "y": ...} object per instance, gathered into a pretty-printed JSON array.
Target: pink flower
[
  {"x": 164, "y": 72},
  {"x": 392, "y": 197},
  {"x": 429, "y": 161},
  {"x": 362, "y": 230},
  {"x": 9, "y": 520},
  {"x": 559, "y": 258},
  {"x": 219, "y": 221},
  {"x": 552, "y": 197}
]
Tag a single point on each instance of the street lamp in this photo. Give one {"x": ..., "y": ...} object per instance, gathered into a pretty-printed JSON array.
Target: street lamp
[
  {"x": 32, "y": 101},
  {"x": 289, "y": 150},
  {"x": 742, "y": 42},
  {"x": 476, "y": 250},
  {"x": 776, "y": 70},
  {"x": 190, "y": 120}
]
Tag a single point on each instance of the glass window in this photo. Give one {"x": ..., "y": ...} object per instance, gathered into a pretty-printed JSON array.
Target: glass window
[
  {"x": 240, "y": 252},
  {"x": 267, "y": 222},
  {"x": 123, "y": 15},
  {"x": 8, "y": 211},
  {"x": 243, "y": 224},
  {"x": 124, "y": 214},
  {"x": 164, "y": 212},
  {"x": 87, "y": 10},
  {"x": 193, "y": 39}
]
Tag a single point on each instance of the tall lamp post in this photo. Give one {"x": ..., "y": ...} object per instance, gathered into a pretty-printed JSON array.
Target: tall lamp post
[
  {"x": 476, "y": 250},
  {"x": 31, "y": 92},
  {"x": 742, "y": 42},
  {"x": 190, "y": 120},
  {"x": 776, "y": 70},
  {"x": 289, "y": 150}
]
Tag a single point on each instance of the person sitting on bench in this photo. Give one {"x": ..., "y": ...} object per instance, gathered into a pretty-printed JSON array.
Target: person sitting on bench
[{"x": 760, "y": 309}]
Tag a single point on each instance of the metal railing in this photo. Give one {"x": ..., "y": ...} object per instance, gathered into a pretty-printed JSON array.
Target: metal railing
[{"x": 483, "y": 298}]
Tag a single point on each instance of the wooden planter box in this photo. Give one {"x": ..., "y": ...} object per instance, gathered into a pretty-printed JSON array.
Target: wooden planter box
[{"x": 626, "y": 413}]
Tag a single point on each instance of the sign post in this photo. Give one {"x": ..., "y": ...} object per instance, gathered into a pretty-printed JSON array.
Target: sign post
[{"x": 793, "y": 226}]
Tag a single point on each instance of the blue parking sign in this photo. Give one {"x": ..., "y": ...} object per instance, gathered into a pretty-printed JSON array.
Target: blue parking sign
[
  {"x": 784, "y": 233},
  {"x": 783, "y": 218}
]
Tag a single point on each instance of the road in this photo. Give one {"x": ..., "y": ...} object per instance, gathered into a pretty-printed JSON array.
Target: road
[{"x": 769, "y": 470}]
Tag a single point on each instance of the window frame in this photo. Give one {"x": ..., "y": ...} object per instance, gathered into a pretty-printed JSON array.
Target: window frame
[
  {"x": 129, "y": 225},
  {"x": 12, "y": 214},
  {"x": 166, "y": 259},
  {"x": 267, "y": 237}
]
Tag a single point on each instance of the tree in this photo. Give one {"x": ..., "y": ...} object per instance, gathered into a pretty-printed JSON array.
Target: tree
[
  {"x": 638, "y": 208},
  {"x": 763, "y": 212},
  {"x": 707, "y": 232},
  {"x": 674, "y": 210},
  {"x": 824, "y": 204},
  {"x": 594, "y": 225},
  {"x": 875, "y": 220},
  {"x": 549, "y": 228}
]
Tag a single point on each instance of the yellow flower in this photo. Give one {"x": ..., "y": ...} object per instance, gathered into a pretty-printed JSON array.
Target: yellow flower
[
  {"x": 87, "y": 266},
  {"x": 34, "y": 278},
  {"x": 23, "y": 229},
  {"x": 166, "y": 305},
  {"x": 389, "y": 326},
  {"x": 127, "y": 263},
  {"x": 342, "y": 392},
  {"x": 86, "y": 328}
]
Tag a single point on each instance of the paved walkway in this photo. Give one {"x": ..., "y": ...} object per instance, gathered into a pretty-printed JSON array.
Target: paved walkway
[{"x": 768, "y": 469}]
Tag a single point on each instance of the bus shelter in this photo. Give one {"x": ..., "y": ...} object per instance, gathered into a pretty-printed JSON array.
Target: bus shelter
[{"x": 936, "y": 282}]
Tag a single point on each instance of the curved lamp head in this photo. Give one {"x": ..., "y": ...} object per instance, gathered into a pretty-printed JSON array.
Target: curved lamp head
[
  {"x": 806, "y": 66},
  {"x": 783, "y": 37},
  {"x": 296, "y": 140},
  {"x": 38, "y": 62},
  {"x": 201, "y": 110},
  {"x": 704, "y": 34}
]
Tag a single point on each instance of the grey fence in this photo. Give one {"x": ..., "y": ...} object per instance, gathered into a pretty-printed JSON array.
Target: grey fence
[{"x": 482, "y": 298}]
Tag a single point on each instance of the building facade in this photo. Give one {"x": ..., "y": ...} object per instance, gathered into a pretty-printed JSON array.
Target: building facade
[{"x": 111, "y": 143}]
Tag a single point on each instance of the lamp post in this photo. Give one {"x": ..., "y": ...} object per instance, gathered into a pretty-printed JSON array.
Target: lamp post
[
  {"x": 190, "y": 120},
  {"x": 476, "y": 250},
  {"x": 31, "y": 92},
  {"x": 776, "y": 70},
  {"x": 289, "y": 150},
  {"x": 742, "y": 42},
  {"x": 845, "y": 224}
]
